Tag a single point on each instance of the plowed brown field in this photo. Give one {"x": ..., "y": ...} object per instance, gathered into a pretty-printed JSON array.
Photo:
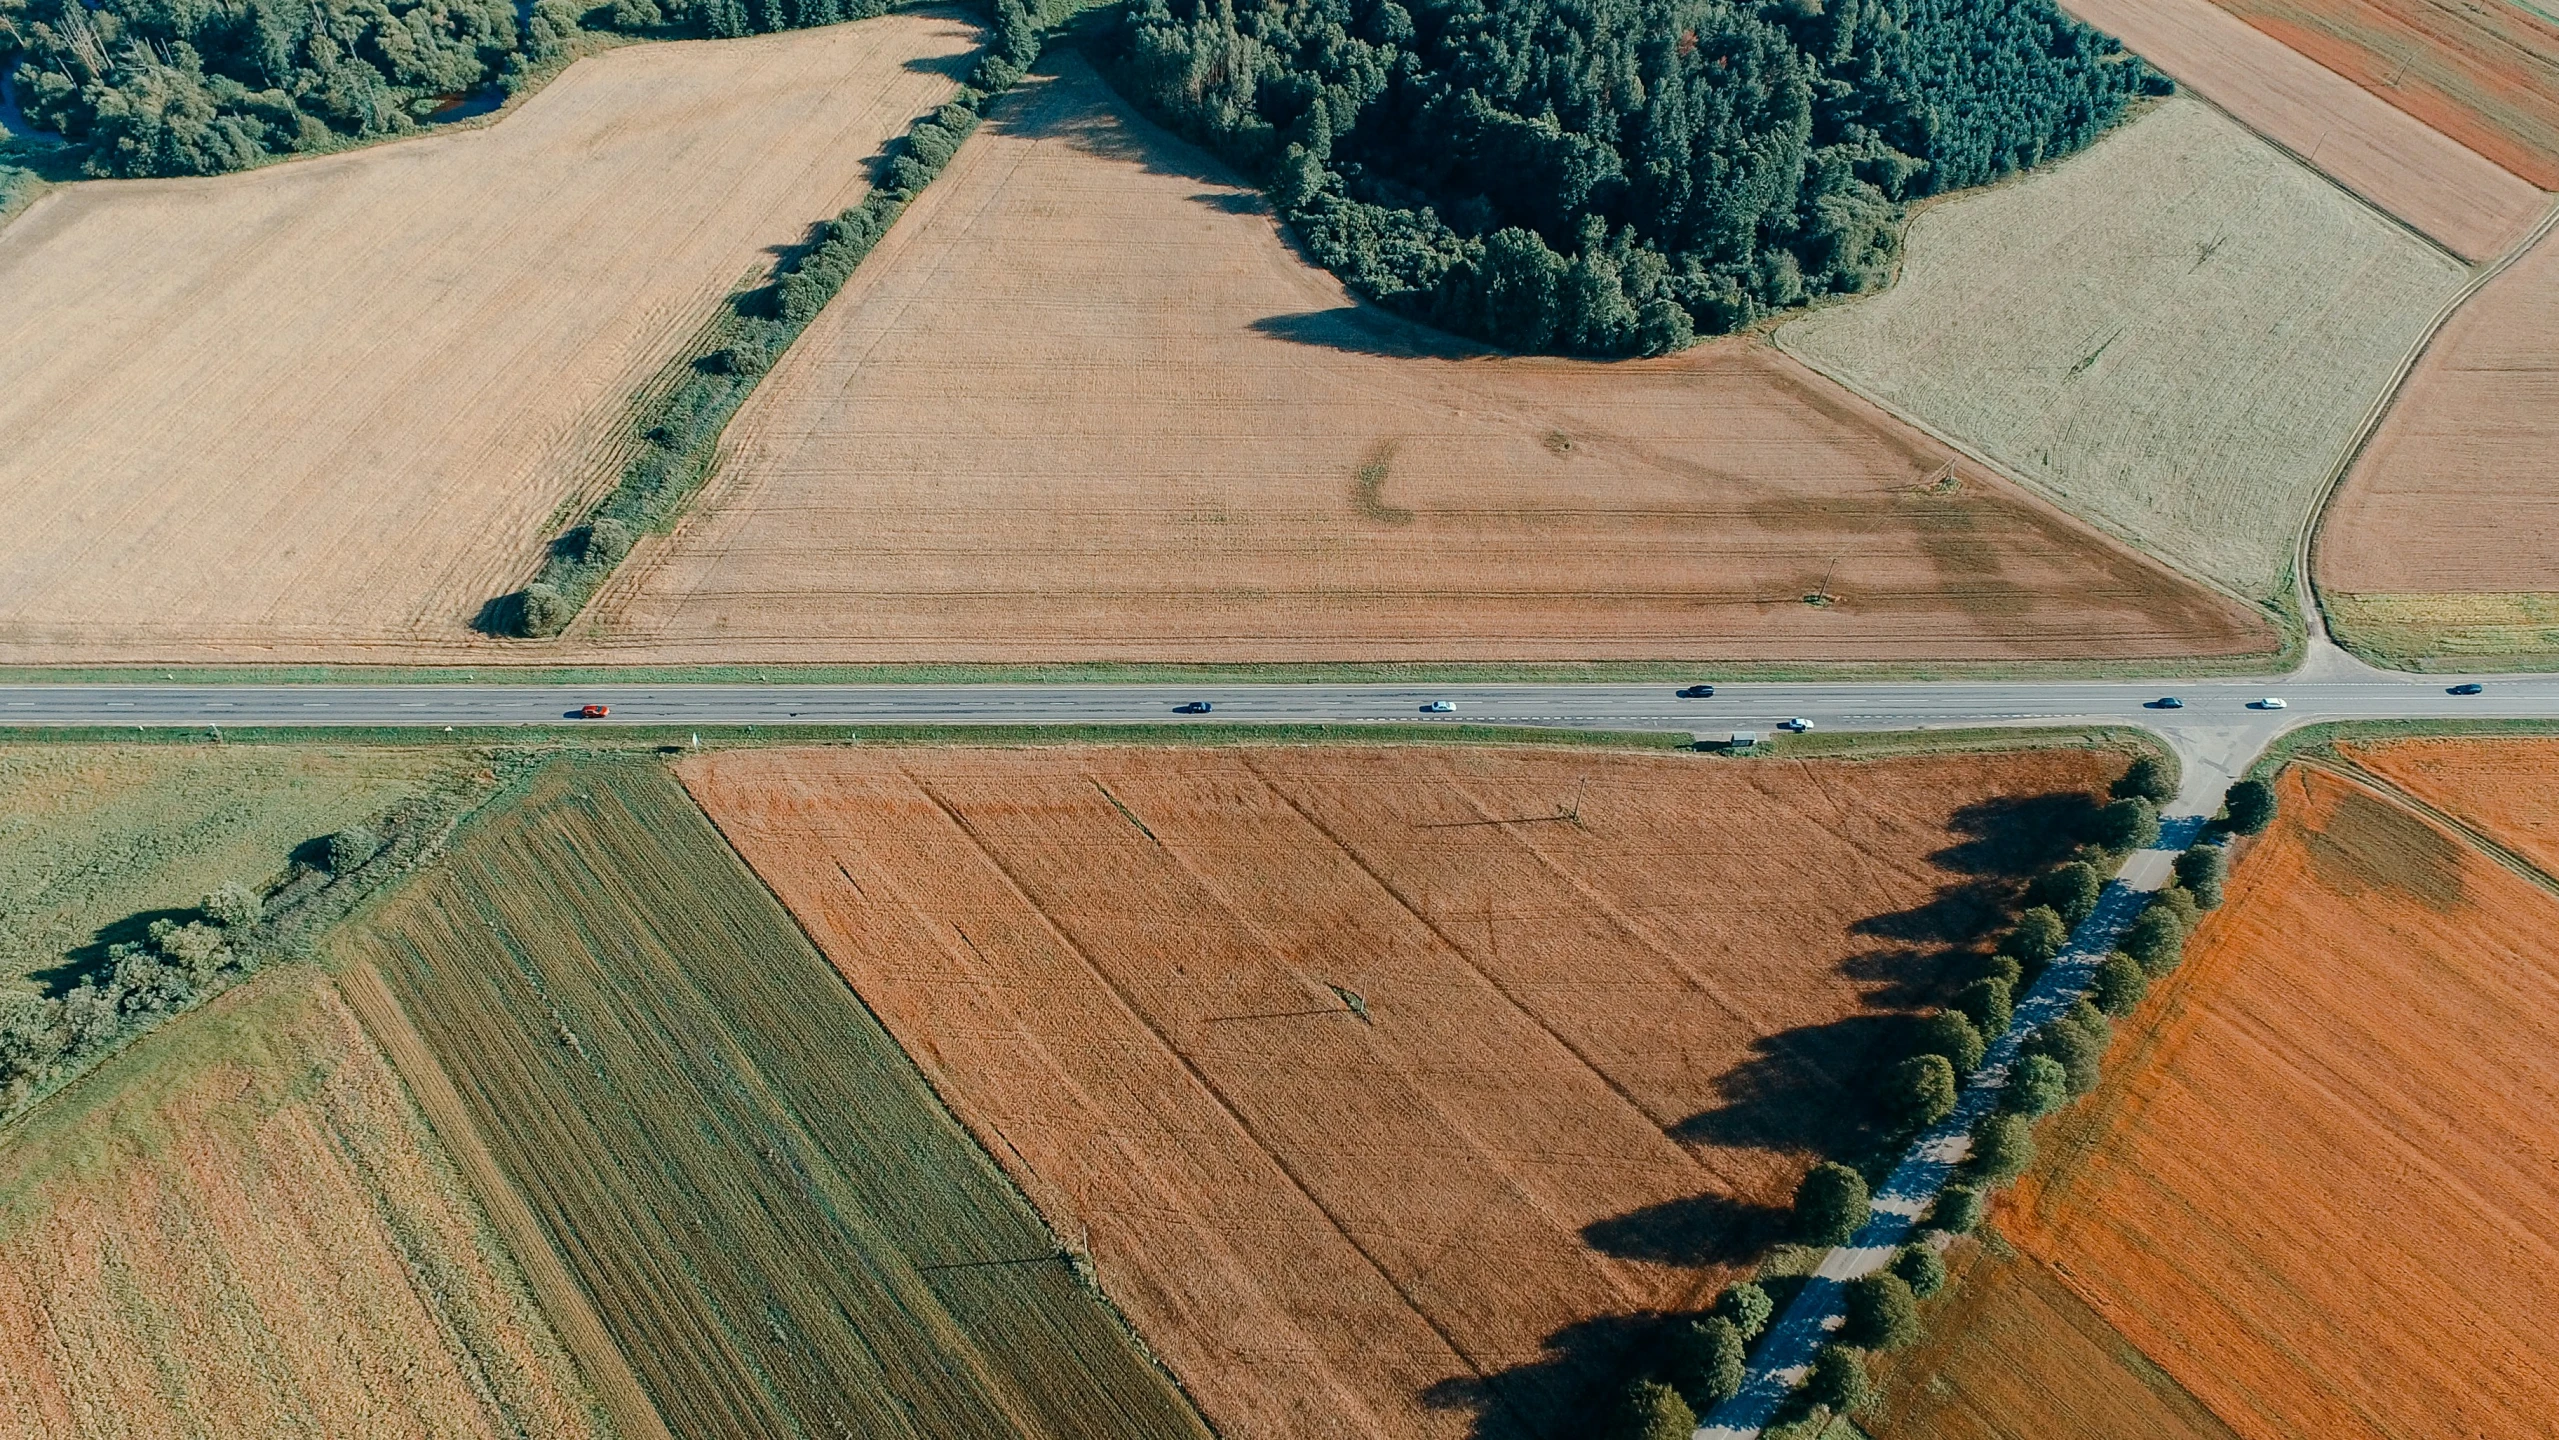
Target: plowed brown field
[
  {"x": 1083, "y": 403},
  {"x": 327, "y": 409},
  {"x": 2316, "y": 1190},
  {"x": 2467, "y": 203},
  {"x": 2503, "y": 787},
  {"x": 240, "y": 1226},
  {"x": 2458, "y": 492},
  {"x": 2484, "y": 72},
  {"x": 1381, "y": 1091}
]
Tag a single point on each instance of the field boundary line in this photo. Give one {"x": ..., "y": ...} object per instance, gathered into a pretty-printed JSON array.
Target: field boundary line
[
  {"x": 1214, "y": 1091},
  {"x": 2287, "y": 654},
  {"x": 565, "y": 1303},
  {"x": 2346, "y": 767},
  {"x": 2305, "y": 548}
]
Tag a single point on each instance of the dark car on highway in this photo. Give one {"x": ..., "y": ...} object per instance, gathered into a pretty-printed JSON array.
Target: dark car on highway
[
  {"x": 1195, "y": 707},
  {"x": 2473, "y": 688},
  {"x": 1697, "y": 692},
  {"x": 2166, "y": 702}
]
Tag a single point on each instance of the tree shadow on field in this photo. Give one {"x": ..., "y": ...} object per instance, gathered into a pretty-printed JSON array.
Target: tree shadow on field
[
  {"x": 1559, "y": 1395},
  {"x": 1361, "y": 330},
  {"x": 1699, "y": 1230},
  {"x": 90, "y": 962}
]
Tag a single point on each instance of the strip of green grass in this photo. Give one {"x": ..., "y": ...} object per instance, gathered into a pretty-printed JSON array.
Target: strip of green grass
[{"x": 782, "y": 1227}]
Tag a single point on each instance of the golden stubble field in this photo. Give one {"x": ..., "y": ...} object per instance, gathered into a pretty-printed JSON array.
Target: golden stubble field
[
  {"x": 2177, "y": 332},
  {"x": 1384, "y": 1086},
  {"x": 1085, "y": 403},
  {"x": 327, "y": 409},
  {"x": 242, "y": 1227}
]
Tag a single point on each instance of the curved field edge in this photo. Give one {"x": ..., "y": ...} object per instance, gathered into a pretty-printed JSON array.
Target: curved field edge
[
  {"x": 241, "y": 1224},
  {"x": 811, "y": 1239},
  {"x": 2159, "y": 357}
]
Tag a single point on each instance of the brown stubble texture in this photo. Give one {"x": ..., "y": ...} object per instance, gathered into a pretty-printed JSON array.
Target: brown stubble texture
[
  {"x": 2317, "y": 1190},
  {"x": 1084, "y": 402},
  {"x": 2442, "y": 188},
  {"x": 241, "y": 1227},
  {"x": 2484, "y": 72},
  {"x": 329, "y": 409},
  {"x": 1379, "y": 1087},
  {"x": 2502, "y": 787},
  {"x": 2459, "y": 489}
]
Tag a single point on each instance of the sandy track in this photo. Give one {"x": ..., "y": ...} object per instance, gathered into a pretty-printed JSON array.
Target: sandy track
[
  {"x": 2484, "y": 74},
  {"x": 2458, "y": 492},
  {"x": 2436, "y": 184},
  {"x": 327, "y": 409},
  {"x": 1586, "y": 1056},
  {"x": 2375, "y": 990},
  {"x": 2177, "y": 331},
  {"x": 1083, "y": 403}
]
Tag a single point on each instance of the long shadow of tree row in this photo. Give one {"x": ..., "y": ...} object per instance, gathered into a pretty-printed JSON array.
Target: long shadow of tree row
[{"x": 1804, "y": 1092}]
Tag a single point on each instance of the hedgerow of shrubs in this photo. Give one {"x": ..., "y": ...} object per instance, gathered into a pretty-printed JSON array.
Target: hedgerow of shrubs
[{"x": 679, "y": 428}]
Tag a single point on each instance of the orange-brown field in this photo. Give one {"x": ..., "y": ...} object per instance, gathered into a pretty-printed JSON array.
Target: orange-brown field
[
  {"x": 326, "y": 409},
  {"x": 1382, "y": 1085},
  {"x": 2459, "y": 489},
  {"x": 1084, "y": 403},
  {"x": 2502, "y": 787},
  {"x": 2467, "y": 203},
  {"x": 240, "y": 1226},
  {"x": 2315, "y": 1192},
  {"x": 2485, "y": 72}
]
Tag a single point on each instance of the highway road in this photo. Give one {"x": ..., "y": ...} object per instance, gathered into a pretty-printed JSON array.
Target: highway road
[{"x": 2218, "y": 724}]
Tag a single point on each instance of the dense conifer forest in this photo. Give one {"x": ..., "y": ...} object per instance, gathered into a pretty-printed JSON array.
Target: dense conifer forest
[{"x": 1612, "y": 177}]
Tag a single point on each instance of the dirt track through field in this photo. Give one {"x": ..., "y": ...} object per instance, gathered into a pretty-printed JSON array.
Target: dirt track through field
[
  {"x": 327, "y": 409},
  {"x": 2444, "y": 189},
  {"x": 1385, "y": 1085},
  {"x": 1083, "y": 403}
]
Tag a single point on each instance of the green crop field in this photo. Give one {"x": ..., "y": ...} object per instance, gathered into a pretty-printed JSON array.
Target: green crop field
[{"x": 781, "y": 1226}]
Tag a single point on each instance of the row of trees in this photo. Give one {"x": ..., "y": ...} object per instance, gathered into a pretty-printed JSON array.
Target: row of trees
[
  {"x": 2058, "y": 1063},
  {"x": 159, "y": 87},
  {"x": 1612, "y": 177},
  {"x": 45, "y": 1039},
  {"x": 680, "y": 426}
]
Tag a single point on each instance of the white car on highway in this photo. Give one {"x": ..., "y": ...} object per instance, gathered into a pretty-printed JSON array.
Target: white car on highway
[
  {"x": 2271, "y": 702},
  {"x": 1799, "y": 725}
]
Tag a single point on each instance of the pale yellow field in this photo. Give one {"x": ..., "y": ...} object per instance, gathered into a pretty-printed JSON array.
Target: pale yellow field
[
  {"x": 2175, "y": 333},
  {"x": 327, "y": 409},
  {"x": 242, "y": 1226}
]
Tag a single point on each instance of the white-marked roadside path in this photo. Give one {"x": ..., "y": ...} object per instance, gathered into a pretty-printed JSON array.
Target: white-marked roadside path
[{"x": 1786, "y": 1352}]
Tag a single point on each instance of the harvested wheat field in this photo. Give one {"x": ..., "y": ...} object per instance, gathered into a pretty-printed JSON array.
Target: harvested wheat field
[
  {"x": 2445, "y": 537},
  {"x": 781, "y": 1230},
  {"x": 2176, "y": 332},
  {"x": 241, "y": 1226},
  {"x": 1385, "y": 1086},
  {"x": 1083, "y": 403},
  {"x": 2315, "y": 1190},
  {"x": 2484, "y": 72},
  {"x": 2503, "y": 788},
  {"x": 2466, "y": 202},
  {"x": 328, "y": 408},
  {"x": 97, "y": 840}
]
